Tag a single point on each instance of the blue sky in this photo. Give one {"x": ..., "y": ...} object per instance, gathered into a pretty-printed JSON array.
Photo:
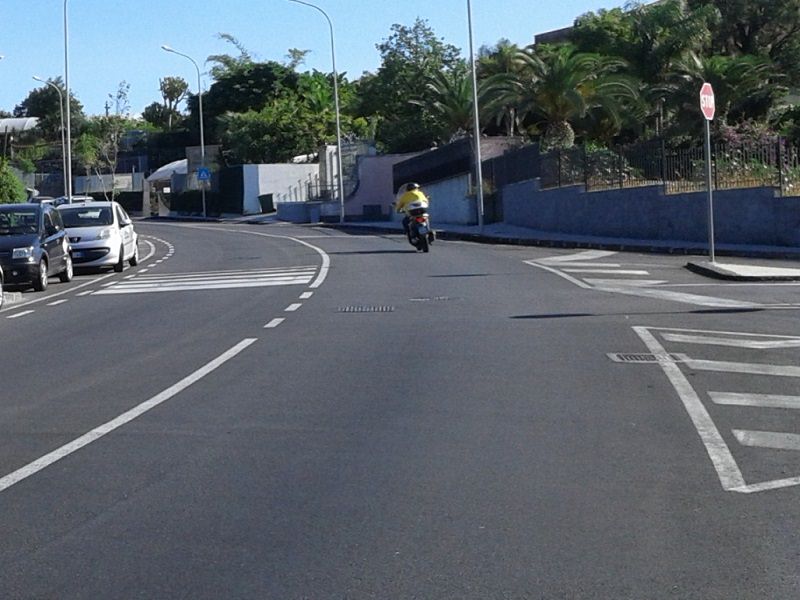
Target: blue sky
[{"x": 111, "y": 41}]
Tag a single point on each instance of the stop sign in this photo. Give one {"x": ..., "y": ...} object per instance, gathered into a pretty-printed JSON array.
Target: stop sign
[{"x": 707, "y": 101}]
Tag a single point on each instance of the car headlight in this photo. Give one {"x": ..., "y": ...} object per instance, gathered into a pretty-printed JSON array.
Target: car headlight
[
  {"x": 22, "y": 253},
  {"x": 104, "y": 234}
]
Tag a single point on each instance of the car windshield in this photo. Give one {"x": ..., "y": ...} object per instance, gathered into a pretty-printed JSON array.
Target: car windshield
[
  {"x": 86, "y": 216},
  {"x": 15, "y": 221}
]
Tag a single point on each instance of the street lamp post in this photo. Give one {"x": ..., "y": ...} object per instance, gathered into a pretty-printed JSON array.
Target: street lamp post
[
  {"x": 63, "y": 142},
  {"x": 476, "y": 122},
  {"x": 336, "y": 102},
  {"x": 68, "y": 172},
  {"x": 200, "y": 107}
]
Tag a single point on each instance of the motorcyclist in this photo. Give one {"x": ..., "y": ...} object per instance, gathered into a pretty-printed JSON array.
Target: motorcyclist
[{"x": 410, "y": 197}]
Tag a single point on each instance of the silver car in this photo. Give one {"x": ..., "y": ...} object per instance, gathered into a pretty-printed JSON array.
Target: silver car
[{"x": 101, "y": 234}]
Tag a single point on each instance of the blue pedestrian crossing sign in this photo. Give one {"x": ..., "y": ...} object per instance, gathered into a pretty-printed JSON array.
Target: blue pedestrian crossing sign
[{"x": 204, "y": 174}]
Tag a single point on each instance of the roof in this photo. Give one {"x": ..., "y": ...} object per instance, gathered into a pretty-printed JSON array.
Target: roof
[
  {"x": 165, "y": 172},
  {"x": 18, "y": 124}
]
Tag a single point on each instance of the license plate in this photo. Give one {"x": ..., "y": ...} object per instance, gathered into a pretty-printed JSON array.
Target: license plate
[{"x": 423, "y": 229}]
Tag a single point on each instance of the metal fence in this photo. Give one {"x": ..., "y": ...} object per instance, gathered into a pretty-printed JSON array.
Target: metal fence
[{"x": 772, "y": 164}]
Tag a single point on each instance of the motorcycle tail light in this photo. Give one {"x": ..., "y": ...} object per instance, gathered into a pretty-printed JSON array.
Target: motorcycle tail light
[{"x": 420, "y": 219}]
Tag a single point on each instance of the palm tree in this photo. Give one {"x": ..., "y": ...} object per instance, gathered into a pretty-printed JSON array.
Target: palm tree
[
  {"x": 500, "y": 64},
  {"x": 744, "y": 86},
  {"x": 449, "y": 100},
  {"x": 558, "y": 86}
]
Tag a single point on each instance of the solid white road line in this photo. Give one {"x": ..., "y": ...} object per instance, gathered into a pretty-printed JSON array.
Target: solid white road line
[
  {"x": 126, "y": 417},
  {"x": 727, "y": 470},
  {"x": 756, "y": 400},
  {"x": 733, "y": 342},
  {"x": 57, "y": 302},
  {"x": 768, "y": 439},
  {"x": 569, "y": 278},
  {"x": 292, "y": 307},
  {"x": 607, "y": 271},
  {"x": 589, "y": 265},
  {"x": 213, "y": 274},
  {"x": 721, "y": 366},
  {"x": 274, "y": 323},
  {"x": 306, "y": 295},
  {"x": 731, "y": 333},
  {"x": 56, "y": 295},
  {"x": 21, "y": 314}
]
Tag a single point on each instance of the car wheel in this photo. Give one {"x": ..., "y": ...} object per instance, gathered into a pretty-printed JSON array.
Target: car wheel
[
  {"x": 2, "y": 295},
  {"x": 135, "y": 258},
  {"x": 121, "y": 262},
  {"x": 66, "y": 275},
  {"x": 40, "y": 281}
]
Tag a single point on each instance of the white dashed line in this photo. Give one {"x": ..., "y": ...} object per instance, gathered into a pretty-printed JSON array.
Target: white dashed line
[
  {"x": 306, "y": 295},
  {"x": 22, "y": 314},
  {"x": 86, "y": 293},
  {"x": 274, "y": 323},
  {"x": 143, "y": 270},
  {"x": 57, "y": 302},
  {"x": 293, "y": 307}
]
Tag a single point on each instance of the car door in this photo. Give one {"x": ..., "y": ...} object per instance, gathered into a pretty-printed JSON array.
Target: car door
[
  {"x": 125, "y": 230},
  {"x": 53, "y": 241}
]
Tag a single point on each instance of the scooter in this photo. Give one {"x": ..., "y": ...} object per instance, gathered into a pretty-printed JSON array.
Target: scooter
[{"x": 420, "y": 234}]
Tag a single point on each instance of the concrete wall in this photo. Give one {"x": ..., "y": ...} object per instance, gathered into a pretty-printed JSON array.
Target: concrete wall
[
  {"x": 449, "y": 202},
  {"x": 123, "y": 182},
  {"x": 286, "y": 183},
  {"x": 743, "y": 216},
  {"x": 374, "y": 187}
]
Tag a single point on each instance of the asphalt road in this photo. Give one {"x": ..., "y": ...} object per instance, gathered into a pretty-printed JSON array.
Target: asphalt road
[{"x": 298, "y": 412}]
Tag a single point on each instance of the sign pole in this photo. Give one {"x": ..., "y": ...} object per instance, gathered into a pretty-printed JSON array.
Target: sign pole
[
  {"x": 710, "y": 193},
  {"x": 708, "y": 108}
]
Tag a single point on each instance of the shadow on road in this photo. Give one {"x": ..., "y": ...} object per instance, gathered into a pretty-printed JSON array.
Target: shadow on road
[{"x": 410, "y": 251}]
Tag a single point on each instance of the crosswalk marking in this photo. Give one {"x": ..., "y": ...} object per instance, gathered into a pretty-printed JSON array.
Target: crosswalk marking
[
  {"x": 586, "y": 255},
  {"x": 768, "y": 439},
  {"x": 756, "y": 400},
  {"x": 723, "y": 366},
  {"x": 630, "y": 282},
  {"x": 733, "y": 342},
  {"x": 213, "y": 280},
  {"x": 728, "y": 471},
  {"x": 607, "y": 271}
]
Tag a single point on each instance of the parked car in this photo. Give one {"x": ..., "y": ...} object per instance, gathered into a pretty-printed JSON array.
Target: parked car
[
  {"x": 2, "y": 293},
  {"x": 33, "y": 245},
  {"x": 71, "y": 200},
  {"x": 101, "y": 234}
]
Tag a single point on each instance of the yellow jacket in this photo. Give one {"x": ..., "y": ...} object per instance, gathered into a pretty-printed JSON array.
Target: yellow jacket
[{"x": 412, "y": 196}]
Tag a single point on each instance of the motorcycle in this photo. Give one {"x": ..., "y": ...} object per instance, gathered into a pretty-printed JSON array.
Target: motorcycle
[{"x": 420, "y": 234}]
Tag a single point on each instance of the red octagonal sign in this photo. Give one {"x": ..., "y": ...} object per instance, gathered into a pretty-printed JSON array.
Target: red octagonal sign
[{"x": 707, "y": 101}]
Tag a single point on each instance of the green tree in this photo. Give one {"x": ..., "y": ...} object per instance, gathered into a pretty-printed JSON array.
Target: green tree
[
  {"x": 173, "y": 91},
  {"x": 44, "y": 103},
  {"x": 11, "y": 188},
  {"x": 410, "y": 56}
]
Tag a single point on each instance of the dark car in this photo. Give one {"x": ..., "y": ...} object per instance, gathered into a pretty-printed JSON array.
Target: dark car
[
  {"x": 33, "y": 245},
  {"x": 2, "y": 293}
]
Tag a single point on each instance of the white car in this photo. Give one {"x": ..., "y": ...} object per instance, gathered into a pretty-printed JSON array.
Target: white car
[{"x": 100, "y": 234}]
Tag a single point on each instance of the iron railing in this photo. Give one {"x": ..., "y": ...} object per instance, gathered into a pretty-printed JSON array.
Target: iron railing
[{"x": 773, "y": 164}]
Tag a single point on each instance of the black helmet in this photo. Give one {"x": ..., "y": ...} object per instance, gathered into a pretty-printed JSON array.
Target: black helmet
[{"x": 412, "y": 186}]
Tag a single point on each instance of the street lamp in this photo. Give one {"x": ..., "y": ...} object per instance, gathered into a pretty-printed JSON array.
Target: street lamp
[
  {"x": 476, "y": 121},
  {"x": 63, "y": 142},
  {"x": 200, "y": 107},
  {"x": 336, "y": 102},
  {"x": 68, "y": 173}
]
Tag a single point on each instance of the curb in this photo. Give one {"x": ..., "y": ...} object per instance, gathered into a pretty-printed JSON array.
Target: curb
[
  {"x": 718, "y": 272},
  {"x": 10, "y": 298}
]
